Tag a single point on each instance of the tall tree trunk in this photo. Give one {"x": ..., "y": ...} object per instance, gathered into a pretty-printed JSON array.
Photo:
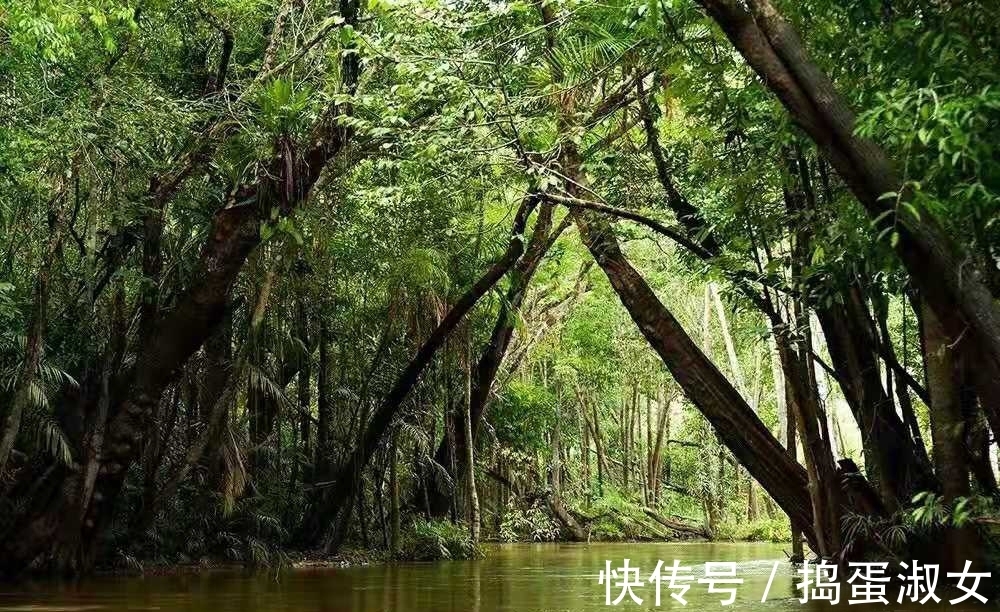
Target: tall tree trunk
[
  {"x": 470, "y": 458},
  {"x": 362, "y": 515},
  {"x": 647, "y": 480},
  {"x": 303, "y": 397},
  {"x": 584, "y": 435},
  {"x": 893, "y": 459},
  {"x": 727, "y": 339},
  {"x": 394, "y": 494},
  {"x": 824, "y": 486},
  {"x": 35, "y": 342},
  {"x": 943, "y": 360},
  {"x": 324, "y": 394},
  {"x": 977, "y": 442},
  {"x": 603, "y": 472},
  {"x": 591, "y": 421},
  {"x": 791, "y": 444},
  {"x": 156, "y": 448},
  {"x": 662, "y": 434},
  {"x": 556, "y": 480},
  {"x": 262, "y": 407},
  {"x": 451, "y": 437},
  {"x": 786, "y": 427},
  {"x": 218, "y": 353}
]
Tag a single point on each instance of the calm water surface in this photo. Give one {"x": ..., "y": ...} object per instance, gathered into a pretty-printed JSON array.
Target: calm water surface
[{"x": 513, "y": 578}]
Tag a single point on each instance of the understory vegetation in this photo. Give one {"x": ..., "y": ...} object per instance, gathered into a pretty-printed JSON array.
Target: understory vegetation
[{"x": 314, "y": 279}]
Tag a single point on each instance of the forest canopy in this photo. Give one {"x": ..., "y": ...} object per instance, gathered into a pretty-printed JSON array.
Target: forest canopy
[{"x": 405, "y": 275}]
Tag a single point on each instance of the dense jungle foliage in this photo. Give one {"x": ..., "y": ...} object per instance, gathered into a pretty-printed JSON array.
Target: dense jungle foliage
[{"x": 288, "y": 277}]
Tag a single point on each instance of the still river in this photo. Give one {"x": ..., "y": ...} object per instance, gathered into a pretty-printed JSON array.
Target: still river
[{"x": 512, "y": 578}]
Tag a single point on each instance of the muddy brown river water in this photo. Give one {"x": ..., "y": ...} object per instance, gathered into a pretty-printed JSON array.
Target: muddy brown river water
[{"x": 512, "y": 578}]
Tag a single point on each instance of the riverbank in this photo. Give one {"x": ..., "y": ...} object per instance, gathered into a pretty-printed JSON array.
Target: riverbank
[{"x": 435, "y": 542}]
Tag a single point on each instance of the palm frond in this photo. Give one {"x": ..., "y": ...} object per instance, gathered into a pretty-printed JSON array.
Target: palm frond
[
  {"x": 260, "y": 380},
  {"x": 442, "y": 479},
  {"x": 54, "y": 377},
  {"x": 45, "y": 435},
  {"x": 234, "y": 473},
  {"x": 416, "y": 435},
  {"x": 420, "y": 272}
]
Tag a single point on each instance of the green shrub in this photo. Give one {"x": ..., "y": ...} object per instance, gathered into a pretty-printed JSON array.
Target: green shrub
[
  {"x": 607, "y": 529},
  {"x": 435, "y": 540},
  {"x": 615, "y": 518},
  {"x": 531, "y": 525},
  {"x": 762, "y": 530},
  {"x": 767, "y": 530}
]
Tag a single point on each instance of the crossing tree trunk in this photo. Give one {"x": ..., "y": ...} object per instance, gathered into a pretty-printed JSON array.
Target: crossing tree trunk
[
  {"x": 330, "y": 517},
  {"x": 543, "y": 236},
  {"x": 733, "y": 420}
]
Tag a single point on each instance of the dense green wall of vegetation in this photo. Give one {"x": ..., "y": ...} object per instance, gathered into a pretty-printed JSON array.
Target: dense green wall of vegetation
[{"x": 275, "y": 274}]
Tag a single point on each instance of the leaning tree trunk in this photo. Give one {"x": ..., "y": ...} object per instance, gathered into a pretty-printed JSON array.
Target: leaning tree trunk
[
  {"x": 734, "y": 421},
  {"x": 543, "y": 236},
  {"x": 938, "y": 267},
  {"x": 893, "y": 460},
  {"x": 334, "y": 504},
  {"x": 46, "y": 537},
  {"x": 722, "y": 405}
]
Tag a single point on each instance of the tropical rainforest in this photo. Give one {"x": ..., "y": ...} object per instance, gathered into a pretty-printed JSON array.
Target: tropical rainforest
[{"x": 293, "y": 279}]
